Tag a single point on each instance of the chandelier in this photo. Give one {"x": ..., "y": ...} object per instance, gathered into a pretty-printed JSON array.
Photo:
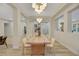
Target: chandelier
[
  {"x": 39, "y": 7},
  {"x": 39, "y": 20}
]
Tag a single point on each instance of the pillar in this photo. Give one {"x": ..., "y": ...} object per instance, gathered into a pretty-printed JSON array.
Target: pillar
[
  {"x": 1, "y": 26},
  {"x": 16, "y": 28},
  {"x": 67, "y": 23}
]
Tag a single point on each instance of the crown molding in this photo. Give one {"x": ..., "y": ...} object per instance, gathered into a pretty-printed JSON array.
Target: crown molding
[
  {"x": 62, "y": 9},
  {"x": 4, "y": 19},
  {"x": 34, "y": 17}
]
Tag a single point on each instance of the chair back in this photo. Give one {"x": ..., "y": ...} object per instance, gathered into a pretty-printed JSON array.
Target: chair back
[
  {"x": 52, "y": 41},
  {"x": 1, "y": 38},
  {"x": 4, "y": 39},
  {"x": 24, "y": 40}
]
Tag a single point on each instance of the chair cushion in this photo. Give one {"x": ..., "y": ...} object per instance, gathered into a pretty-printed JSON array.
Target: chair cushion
[
  {"x": 27, "y": 45},
  {"x": 49, "y": 45},
  {"x": 52, "y": 43}
]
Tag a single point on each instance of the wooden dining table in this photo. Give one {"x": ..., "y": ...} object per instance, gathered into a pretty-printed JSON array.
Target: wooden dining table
[{"x": 38, "y": 45}]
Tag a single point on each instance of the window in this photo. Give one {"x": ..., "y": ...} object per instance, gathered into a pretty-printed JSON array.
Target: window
[
  {"x": 74, "y": 16},
  {"x": 74, "y": 28},
  {"x": 45, "y": 28},
  {"x": 60, "y": 24},
  {"x": 78, "y": 28}
]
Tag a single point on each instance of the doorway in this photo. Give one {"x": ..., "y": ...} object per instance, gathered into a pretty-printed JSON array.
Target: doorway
[{"x": 7, "y": 30}]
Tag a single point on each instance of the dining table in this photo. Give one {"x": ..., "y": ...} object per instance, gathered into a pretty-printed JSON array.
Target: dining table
[{"x": 38, "y": 44}]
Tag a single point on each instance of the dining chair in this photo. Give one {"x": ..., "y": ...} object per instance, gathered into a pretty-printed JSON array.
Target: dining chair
[
  {"x": 3, "y": 40},
  {"x": 51, "y": 46},
  {"x": 25, "y": 45}
]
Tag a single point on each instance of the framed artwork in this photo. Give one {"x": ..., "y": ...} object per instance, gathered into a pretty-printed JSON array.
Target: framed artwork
[
  {"x": 37, "y": 29},
  {"x": 25, "y": 31}
]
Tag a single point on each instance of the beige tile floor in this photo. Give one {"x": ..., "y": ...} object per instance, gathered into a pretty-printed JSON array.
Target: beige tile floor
[{"x": 58, "y": 49}]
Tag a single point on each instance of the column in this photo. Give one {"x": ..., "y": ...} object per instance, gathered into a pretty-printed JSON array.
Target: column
[
  {"x": 28, "y": 27},
  {"x": 53, "y": 27},
  {"x": 1, "y": 26},
  {"x": 67, "y": 23},
  {"x": 50, "y": 30},
  {"x": 16, "y": 26}
]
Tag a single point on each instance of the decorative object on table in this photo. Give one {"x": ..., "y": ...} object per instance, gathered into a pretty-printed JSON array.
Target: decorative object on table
[{"x": 37, "y": 29}]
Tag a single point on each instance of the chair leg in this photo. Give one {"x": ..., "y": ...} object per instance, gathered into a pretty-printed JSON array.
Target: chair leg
[
  {"x": 23, "y": 51},
  {"x": 6, "y": 44},
  {"x": 53, "y": 51}
]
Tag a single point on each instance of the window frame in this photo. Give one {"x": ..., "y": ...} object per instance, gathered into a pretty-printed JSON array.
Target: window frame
[
  {"x": 70, "y": 18},
  {"x": 57, "y": 20}
]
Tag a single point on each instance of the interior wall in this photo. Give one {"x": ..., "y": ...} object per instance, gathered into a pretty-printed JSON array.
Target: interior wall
[
  {"x": 67, "y": 38},
  {"x": 6, "y": 29},
  {"x": 45, "y": 27},
  {"x": 1, "y": 26}
]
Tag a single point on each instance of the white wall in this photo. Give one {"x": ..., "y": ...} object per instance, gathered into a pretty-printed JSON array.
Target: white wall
[
  {"x": 29, "y": 26},
  {"x": 14, "y": 28},
  {"x": 1, "y": 26},
  {"x": 67, "y": 38},
  {"x": 6, "y": 11},
  {"x": 8, "y": 28},
  {"x": 44, "y": 26}
]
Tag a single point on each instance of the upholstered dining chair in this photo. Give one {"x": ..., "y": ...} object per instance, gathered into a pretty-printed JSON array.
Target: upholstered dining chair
[
  {"x": 51, "y": 46},
  {"x": 25, "y": 45},
  {"x": 3, "y": 40}
]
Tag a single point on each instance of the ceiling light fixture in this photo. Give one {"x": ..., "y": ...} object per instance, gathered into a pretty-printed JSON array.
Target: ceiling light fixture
[
  {"x": 39, "y": 20},
  {"x": 39, "y": 7}
]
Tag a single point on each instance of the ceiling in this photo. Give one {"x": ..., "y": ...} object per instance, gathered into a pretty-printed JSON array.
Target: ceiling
[
  {"x": 6, "y": 11},
  {"x": 50, "y": 10}
]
